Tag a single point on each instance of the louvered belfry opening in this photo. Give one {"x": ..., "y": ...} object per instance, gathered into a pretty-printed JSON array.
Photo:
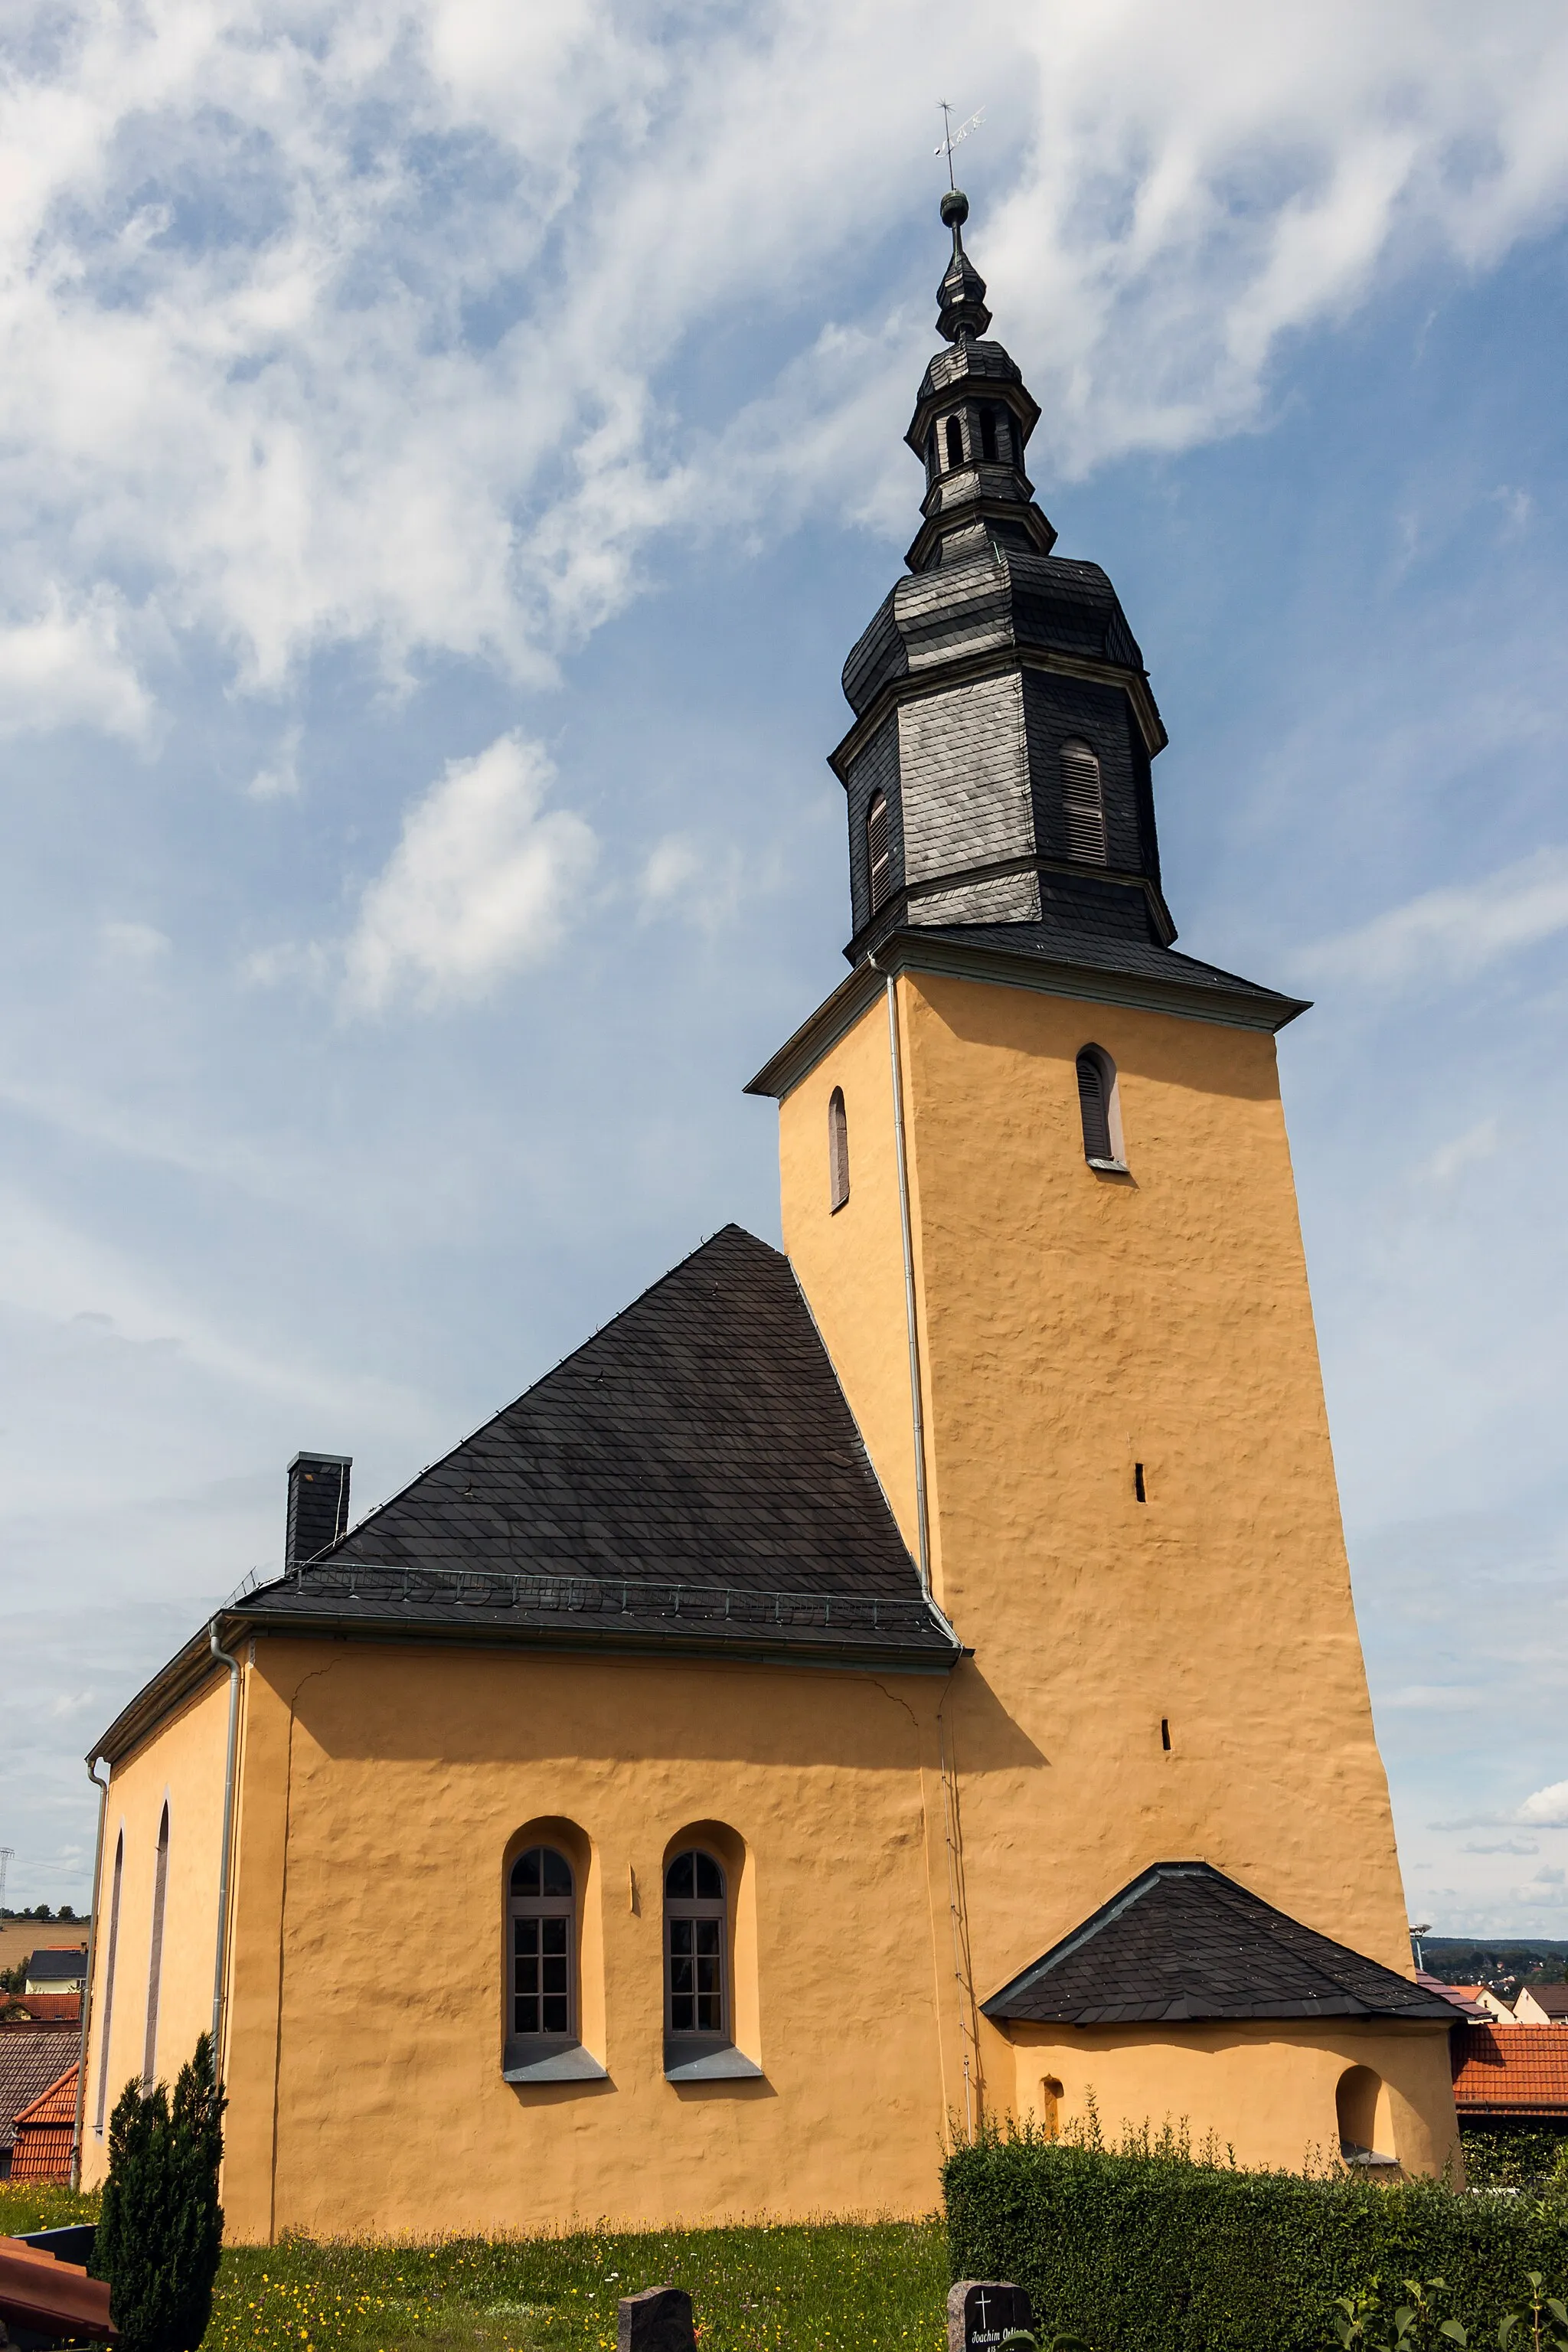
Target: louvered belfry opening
[
  {"x": 1094, "y": 1105},
  {"x": 1083, "y": 805},
  {"x": 954, "y": 445},
  {"x": 879, "y": 850}
]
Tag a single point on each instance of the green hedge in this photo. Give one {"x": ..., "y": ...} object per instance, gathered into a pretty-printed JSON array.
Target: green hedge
[
  {"x": 1513, "y": 2156},
  {"x": 1151, "y": 2252}
]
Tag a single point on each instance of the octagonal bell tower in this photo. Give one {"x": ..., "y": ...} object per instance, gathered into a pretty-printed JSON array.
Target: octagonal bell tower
[{"x": 998, "y": 768}]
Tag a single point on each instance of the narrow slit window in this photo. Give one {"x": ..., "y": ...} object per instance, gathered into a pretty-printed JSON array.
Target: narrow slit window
[
  {"x": 1098, "y": 1109},
  {"x": 838, "y": 1151},
  {"x": 695, "y": 1937},
  {"x": 955, "y": 444},
  {"x": 108, "y": 1959},
  {"x": 155, "y": 1962},
  {"x": 1083, "y": 803},
  {"x": 1138, "y": 1482},
  {"x": 879, "y": 850},
  {"x": 988, "y": 436},
  {"x": 1166, "y": 1733},
  {"x": 543, "y": 1902}
]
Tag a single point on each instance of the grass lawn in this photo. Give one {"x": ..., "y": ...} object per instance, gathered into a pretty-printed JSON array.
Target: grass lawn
[{"x": 835, "y": 2287}]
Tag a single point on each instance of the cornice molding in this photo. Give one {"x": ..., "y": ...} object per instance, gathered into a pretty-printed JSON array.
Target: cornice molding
[{"x": 906, "y": 950}]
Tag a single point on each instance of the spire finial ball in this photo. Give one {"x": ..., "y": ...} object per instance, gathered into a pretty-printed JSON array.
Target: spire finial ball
[{"x": 954, "y": 209}]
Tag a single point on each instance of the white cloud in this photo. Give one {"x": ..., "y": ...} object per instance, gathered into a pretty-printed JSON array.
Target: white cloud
[
  {"x": 1547, "y": 1809},
  {"x": 696, "y": 881},
  {"x": 362, "y": 324},
  {"x": 480, "y": 884},
  {"x": 1440, "y": 1696},
  {"x": 1478, "y": 1143},
  {"x": 1454, "y": 932},
  {"x": 139, "y": 945},
  {"x": 280, "y": 778},
  {"x": 1501, "y": 1845},
  {"x": 66, "y": 668}
]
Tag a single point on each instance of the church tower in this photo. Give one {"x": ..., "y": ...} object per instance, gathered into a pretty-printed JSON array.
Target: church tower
[{"x": 1037, "y": 1192}]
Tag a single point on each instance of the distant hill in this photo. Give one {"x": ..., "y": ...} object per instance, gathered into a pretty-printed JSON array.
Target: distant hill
[{"x": 1501, "y": 1962}]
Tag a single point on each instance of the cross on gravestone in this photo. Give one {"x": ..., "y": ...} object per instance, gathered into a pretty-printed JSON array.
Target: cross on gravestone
[
  {"x": 980, "y": 2311},
  {"x": 658, "y": 2320}
]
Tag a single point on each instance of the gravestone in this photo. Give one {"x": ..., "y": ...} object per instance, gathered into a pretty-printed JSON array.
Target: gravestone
[
  {"x": 980, "y": 2311},
  {"x": 658, "y": 2320}
]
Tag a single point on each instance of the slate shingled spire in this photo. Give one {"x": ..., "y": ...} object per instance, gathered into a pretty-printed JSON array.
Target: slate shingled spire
[{"x": 997, "y": 773}]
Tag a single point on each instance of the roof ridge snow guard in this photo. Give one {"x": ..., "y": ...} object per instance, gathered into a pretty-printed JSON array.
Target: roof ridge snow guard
[{"x": 625, "y": 1595}]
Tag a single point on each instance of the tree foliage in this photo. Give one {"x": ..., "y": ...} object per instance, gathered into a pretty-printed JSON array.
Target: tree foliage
[{"x": 161, "y": 2230}]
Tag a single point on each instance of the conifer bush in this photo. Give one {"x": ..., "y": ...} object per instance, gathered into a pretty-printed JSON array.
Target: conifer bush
[{"x": 160, "y": 2233}]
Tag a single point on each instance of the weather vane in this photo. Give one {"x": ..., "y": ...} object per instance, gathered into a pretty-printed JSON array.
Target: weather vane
[{"x": 950, "y": 137}]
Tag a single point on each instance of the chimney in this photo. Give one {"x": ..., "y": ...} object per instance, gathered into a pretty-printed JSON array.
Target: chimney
[{"x": 318, "y": 1503}]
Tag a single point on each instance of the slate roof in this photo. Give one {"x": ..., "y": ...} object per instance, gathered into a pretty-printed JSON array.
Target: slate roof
[
  {"x": 56, "y": 1967},
  {"x": 1102, "y": 948},
  {"x": 1182, "y": 1944},
  {"x": 690, "y": 1477},
  {"x": 1460, "y": 1998},
  {"x": 1510, "y": 2070},
  {"x": 30, "y": 2058}
]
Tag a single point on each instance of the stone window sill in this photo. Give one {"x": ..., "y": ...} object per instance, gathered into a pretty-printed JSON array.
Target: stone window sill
[
  {"x": 1111, "y": 1167},
  {"x": 707, "y": 2061},
  {"x": 559, "y": 2061}
]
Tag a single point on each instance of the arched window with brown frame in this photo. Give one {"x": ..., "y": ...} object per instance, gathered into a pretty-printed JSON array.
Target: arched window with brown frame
[
  {"x": 696, "y": 1946},
  {"x": 1083, "y": 803},
  {"x": 838, "y": 1151},
  {"x": 544, "y": 1964}
]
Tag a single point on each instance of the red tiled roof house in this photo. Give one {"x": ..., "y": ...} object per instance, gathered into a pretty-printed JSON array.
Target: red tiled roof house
[
  {"x": 1506, "y": 2074},
  {"x": 42, "y": 2148}
]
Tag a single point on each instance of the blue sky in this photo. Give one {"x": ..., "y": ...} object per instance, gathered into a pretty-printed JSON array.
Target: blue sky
[{"x": 445, "y": 458}]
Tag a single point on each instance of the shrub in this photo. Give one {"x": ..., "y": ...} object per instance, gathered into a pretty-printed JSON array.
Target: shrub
[
  {"x": 160, "y": 2233},
  {"x": 1148, "y": 2251},
  {"x": 1513, "y": 2156}
]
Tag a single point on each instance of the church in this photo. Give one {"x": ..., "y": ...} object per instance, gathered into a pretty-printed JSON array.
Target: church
[{"x": 865, "y": 1694}]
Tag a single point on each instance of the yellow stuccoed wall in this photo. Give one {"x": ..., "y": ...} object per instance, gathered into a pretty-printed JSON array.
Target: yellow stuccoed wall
[
  {"x": 183, "y": 1766},
  {"x": 1267, "y": 2093},
  {"x": 383, "y": 1791},
  {"x": 1072, "y": 1325}
]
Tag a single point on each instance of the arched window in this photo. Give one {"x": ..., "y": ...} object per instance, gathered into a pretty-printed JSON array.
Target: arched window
[
  {"x": 1365, "y": 2118},
  {"x": 879, "y": 849},
  {"x": 155, "y": 1961},
  {"x": 695, "y": 1942},
  {"x": 931, "y": 453},
  {"x": 109, "y": 1958},
  {"x": 837, "y": 1150},
  {"x": 542, "y": 1905},
  {"x": 988, "y": 436},
  {"x": 955, "y": 444},
  {"x": 1051, "y": 2107},
  {"x": 1083, "y": 805},
  {"x": 1099, "y": 1108}
]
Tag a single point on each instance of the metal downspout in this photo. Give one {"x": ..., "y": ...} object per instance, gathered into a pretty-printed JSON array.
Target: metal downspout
[
  {"x": 102, "y": 1788},
  {"x": 232, "y": 1665},
  {"x": 916, "y": 1415}
]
